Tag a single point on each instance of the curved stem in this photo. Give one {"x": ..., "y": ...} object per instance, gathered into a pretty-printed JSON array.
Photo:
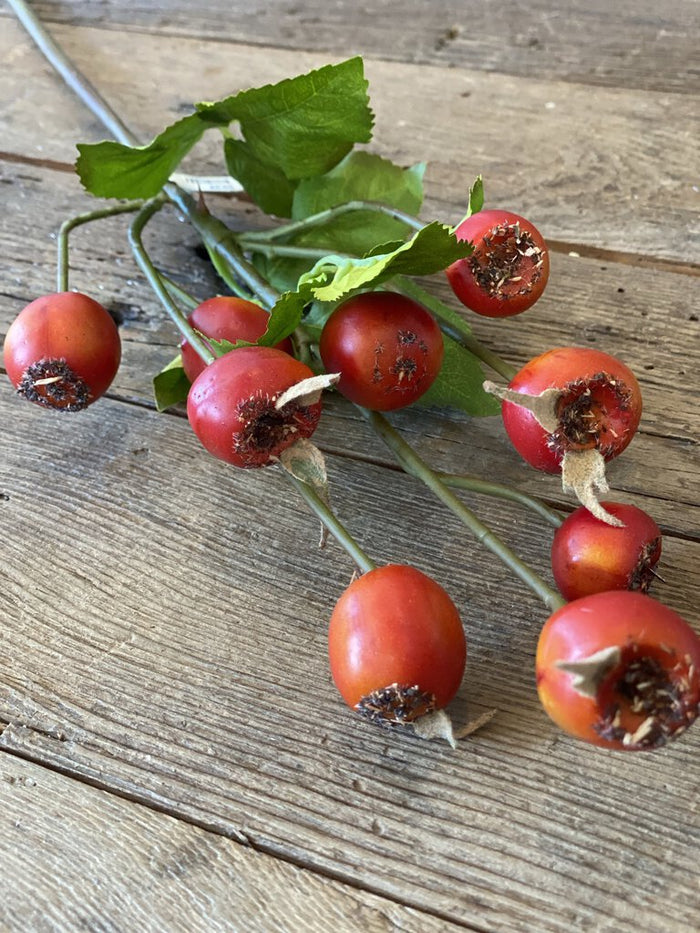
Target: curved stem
[
  {"x": 314, "y": 220},
  {"x": 417, "y": 467},
  {"x": 500, "y": 491},
  {"x": 74, "y": 78},
  {"x": 280, "y": 249},
  {"x": 184, "y": 297},
  {"x": 332, "y": 523},
  {"x": 217, "y": 237},
  {"x": 68, "y": 225},
  {"x": 215, "y": 233},
  {"x": 156, "y": 282}
]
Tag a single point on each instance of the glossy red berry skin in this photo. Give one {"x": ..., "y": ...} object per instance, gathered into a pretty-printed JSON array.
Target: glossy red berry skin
[
  {"x": 600, "y": 406},
  {"x": 396, "y": 644},
  {"x": 231, "y": 406},
  {"x": 387, "y": 348},
  {"x": 591, "y": 556},
  {"x": 225, "y": 317},
  {"x": 62, "y": 351},
  {"x": 642, "y": 688},
  {"x": 509, "y": 268}
]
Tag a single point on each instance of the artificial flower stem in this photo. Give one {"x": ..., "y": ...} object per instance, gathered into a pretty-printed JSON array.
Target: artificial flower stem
[
  {"x": 221, "y": 240},
  {"x": 280, "y": 249},
  {"x": 314, "y": 220},
  {"x": 63, "y": 265},
  {"x": 73, "y": 77},
  {"x": 178, "y": 292},
  {"x": 332, "y": 523},
  {"x": 501, "y": 491},
  {"x": 416, "y": 466},
  {"x": 157, "y": 284}
]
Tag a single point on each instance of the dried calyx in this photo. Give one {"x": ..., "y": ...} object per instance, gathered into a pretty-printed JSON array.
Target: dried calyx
[
  {"x": 266, "y": 430},
  {"x": 509, "y": 262},
  {"x": 587, "y": 422},
  {"x": 644, "y": 694},
  {"x": 396, "y": 704},
  {"x": 53, "y": 384}
]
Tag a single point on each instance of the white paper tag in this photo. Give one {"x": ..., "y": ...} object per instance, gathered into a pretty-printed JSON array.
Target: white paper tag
[{"x": 208, "y": 184}]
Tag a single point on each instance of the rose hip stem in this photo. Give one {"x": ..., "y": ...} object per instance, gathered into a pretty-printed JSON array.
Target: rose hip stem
[
  {"x": 157, "y": 284},
  {"x": 63, "y": 268},
  {"x": 501, "y": 491},
  {"x": 221, "y": 240},
  {"x": 417, "y": 467},
  {"x": 321, "y": 509}
]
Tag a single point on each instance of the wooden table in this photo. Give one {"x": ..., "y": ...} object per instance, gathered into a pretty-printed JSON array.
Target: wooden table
[{"x": 175, "y": 755}]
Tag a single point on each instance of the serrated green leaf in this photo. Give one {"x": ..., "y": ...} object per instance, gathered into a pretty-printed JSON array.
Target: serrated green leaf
[
  {"x": 430, "y": 250},
  {"x": 113, "y": 170},
  {"x": 266, "y": 184},
  {"x": 476, "y": 196},
  {"x": 286, "y": 315},
  {"x": 171, "y": 385},
  {"x": 460, "y": 384},
  {"x": 302, "y": 126}
]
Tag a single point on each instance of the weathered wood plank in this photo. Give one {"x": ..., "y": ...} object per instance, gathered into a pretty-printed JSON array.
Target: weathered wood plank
[
  {"x": 632, "y": 43},
  {"x": 75, "y": 857},
  {"x": 175, "y": 652},
  {"x": 593, "y": 182},
  {"x": 645, "y": 315}
]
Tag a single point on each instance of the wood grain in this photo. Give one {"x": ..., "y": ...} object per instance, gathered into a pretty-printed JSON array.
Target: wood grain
[
  {"x": 163, "y": 678},
  {"x": 633, "y": 43},
  {"x": 644, "y": 315},
  {"x": 105, "y": 863},
  {"x": 206, "y": 691},
  {"x": 599, "y": 182}
]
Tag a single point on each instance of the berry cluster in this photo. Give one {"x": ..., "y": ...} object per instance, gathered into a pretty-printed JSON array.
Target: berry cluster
[{"x": 613, "y": 666}]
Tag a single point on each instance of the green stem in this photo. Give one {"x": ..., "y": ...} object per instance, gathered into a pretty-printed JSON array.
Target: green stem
[
  {"x": 280, "y": 249},
  {"x": 314, "y": 220},
  {"x": 217, "y": 237},
  {"x": 68, "y": 225},
  {"x": 459, "y": 331},
  {"x": 500, "y": 491},
  {"x": 74, "y": 78},
  {"x": 332, "y": 523},
  {"x": 157, "y": 283},
  {"x": 417, "y": 467},
  {"x": 184, "y": 297}
]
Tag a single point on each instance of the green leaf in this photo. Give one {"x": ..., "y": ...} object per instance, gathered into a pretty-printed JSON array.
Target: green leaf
[
  {"x": 459, "y": 384},
  {"x": 301, "y": 127},
  {"x": 476, "y": 199},
  {"x": 360, "y": 176},
  {"x": 432, "y": 303},
  {"x": 113, "y": 170},
  {"x": 476, "y": 196},
  {"x": 266, "y": 184},
  {"x": 430, "y": 250},
  {"x": 171, "y": 385},
  {"x": 286, "y": 315}
]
